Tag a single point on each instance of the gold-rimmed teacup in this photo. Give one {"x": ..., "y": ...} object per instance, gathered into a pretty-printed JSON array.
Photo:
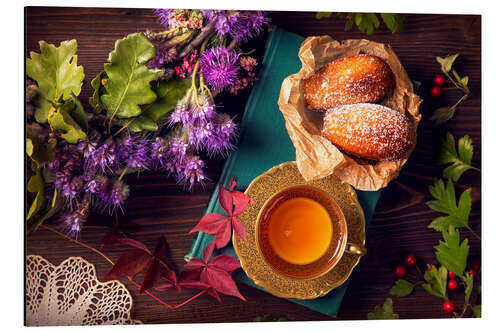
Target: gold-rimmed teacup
[{"x": 302, "y": 233}]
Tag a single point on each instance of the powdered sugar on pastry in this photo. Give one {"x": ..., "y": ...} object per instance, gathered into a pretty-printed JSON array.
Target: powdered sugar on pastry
[
  {"x": 355, "y": 79},
  {"x": 369, "y": 131}
]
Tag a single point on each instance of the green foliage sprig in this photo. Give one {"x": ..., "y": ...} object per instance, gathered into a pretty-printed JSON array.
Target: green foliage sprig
[
  {"x": 443, "y": 114},
  {"x": 368, "y": 22},
  {"x": 458, "y": 159}
]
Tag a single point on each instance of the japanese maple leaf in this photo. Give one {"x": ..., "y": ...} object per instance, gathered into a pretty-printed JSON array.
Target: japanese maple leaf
[
  {"x": 186, "y": 279},
  {"x": 215, "y": 272},
  {"x": 140, "y": 258},
  {"x": 234, "y": 203},
  {"x": 157, "y": 265}
]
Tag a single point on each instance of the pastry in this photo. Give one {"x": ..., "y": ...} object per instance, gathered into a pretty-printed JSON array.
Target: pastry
[
  {"x": 369, "y": 131},
  {"x": 361, "y": 78}
]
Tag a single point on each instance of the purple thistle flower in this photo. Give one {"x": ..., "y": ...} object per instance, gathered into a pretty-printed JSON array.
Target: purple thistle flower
[
  {"x": 210, "y": 14},
  {"x": 163, "y": 57},
  {"x": 220, "y": 67},
  {"x": 114, "y": 195},
  {"x": 224, "y": 135},
  {"x": 103, "y": 157},
  {"x": 134, "y": 152},
  {"x": 258, "y": 20},
  {"x": 237, "y": 24},
  {"x": 73, "y": 222},
  {"x": 193, "y": 171},
  {"x": 163, "y": 16},
  {"x": 97, "y": 186}
]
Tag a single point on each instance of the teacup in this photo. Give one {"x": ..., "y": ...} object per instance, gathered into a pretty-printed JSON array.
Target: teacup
[{"x": 302, "y": 232}]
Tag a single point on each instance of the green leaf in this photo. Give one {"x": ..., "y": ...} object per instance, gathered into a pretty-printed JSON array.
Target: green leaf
[
  {"x": 402, "y": 288},
  {"x": 447, "y": 62},
  {"x": 436, "y": 281},
  {"x": 394, "y": 22},
  {"x": 37, "y": 220},
  {"x": 38, "y": 151},
  {"x": 60, "y": 119},
  {"x": 469, "y": 284},
  {"x": 451, "y": 253},
  {"x": 169, "y": 93},
  {"x": 464, "y": 81},
  {"x": 443, "y": 114},
  {"x": 128, "y": 85},
  {"x": 98, "y": 84},
  {"x": 460, "y": 160},
  {"x": 76, "y": 111},
  {"x": 366, "y": 22},
  {"x": 56, "y": 71},
  {"x": 320, "y": 15},
  {"x": 384, "y": 311},
  {"x": 457, "y": 216},
  {"x": 35, "y": 185},
  {"x": 476, "y": 309}
]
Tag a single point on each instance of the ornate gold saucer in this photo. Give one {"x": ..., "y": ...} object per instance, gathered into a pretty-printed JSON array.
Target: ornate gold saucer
[{"x": 261, "y": 189}]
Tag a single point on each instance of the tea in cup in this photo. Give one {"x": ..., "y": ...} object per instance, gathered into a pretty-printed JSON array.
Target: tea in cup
[{"x": 302, "y": 232}]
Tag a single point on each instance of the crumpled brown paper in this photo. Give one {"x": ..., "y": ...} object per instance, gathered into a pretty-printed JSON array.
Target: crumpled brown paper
[{"x": 316, "y": 156}]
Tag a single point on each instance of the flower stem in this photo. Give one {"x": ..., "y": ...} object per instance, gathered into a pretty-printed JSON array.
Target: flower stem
[
  {"x": 472, "y": 232},
  {"x": 123, "y": 173},
  {"x": 78, "y": 242}
]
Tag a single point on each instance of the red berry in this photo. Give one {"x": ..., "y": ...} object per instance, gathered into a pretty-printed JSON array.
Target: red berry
[
  {"x": 439, "y": 80},
  {"x": 451, "y": 275},
  {"x": 472, "y": 272},
  {"x": 400, "y": 270},
  {"x": 410, "y": 260},
  {"x": 475, "y": 265},
  {"x": 436, "y": 91},
  {"x": 448, "y": 306},
  {"x": 452, "y": 284}
]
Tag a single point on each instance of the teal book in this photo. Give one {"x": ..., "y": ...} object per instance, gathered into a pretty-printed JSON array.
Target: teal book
[{"x": 264, "y": 143}]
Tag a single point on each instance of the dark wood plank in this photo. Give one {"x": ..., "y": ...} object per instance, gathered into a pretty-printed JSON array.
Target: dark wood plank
[{"x": 399, "y": 226}]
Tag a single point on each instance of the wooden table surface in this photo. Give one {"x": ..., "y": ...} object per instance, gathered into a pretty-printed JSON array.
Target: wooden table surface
[{"x": 399, "y": 225}]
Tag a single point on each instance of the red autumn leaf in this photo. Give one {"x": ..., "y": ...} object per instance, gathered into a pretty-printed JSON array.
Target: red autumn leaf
[
  {"x": 226, "y": 200},
  {"x": 223, "y": 235},
  {"x": 210, "y": 223},
  {"x": 194, "y": 263},
  {"x": 225, "y": 262},
  {"x": 221, "y": 281},
  {"x": 130, "y": 263},
  {"x": 240, "y": 201},
  {"x": 234, "y": 203},
  {"x": 110, "y": 238},
  {"x": 207, "y": 252},
  {"x": 133, "y": 243},
  {"x": 239, "y": 228},
  {"x": 191, "y": 279},
  {"x": 157, "y": 265},
  {"x": 232, "y": 184},
  {"x": 212, "y": 292}
]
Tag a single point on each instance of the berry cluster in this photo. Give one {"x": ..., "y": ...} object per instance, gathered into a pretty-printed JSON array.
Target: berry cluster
[
  {"x": 436, "y": 90},
  {"x": 400, "y": 271}
]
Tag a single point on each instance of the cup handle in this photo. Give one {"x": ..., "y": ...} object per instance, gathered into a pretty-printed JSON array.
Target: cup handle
[{"x": 355, "y": 249}]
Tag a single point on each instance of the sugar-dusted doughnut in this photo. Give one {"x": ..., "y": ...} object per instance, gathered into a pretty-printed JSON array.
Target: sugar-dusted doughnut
[
  {"x": 361, "y": 78},
  {"x": 369, "y": 131}
]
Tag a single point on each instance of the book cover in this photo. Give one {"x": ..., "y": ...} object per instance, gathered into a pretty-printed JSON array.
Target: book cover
[{"x": 263, "y": 143}]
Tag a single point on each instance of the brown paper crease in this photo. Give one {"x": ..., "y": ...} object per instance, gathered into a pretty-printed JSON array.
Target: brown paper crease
[{"x": 316, "y": 156}]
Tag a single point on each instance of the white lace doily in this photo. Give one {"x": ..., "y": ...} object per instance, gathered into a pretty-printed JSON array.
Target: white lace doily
[{"x": 71, "y": 294}]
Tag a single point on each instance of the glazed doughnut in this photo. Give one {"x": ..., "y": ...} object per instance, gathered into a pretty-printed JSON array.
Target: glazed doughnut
[
  {"x": 361, "y": 78},
  {"x": 369, "y": 131}
]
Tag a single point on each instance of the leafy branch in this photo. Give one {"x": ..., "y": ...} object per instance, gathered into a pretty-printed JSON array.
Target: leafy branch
[
  {"x": 444, "y": 114},
  {"x": 457, "y": 158},
  {"x": 368, "y": 22}
]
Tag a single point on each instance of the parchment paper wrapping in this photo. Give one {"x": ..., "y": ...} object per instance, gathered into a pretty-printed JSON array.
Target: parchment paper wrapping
[{"x": 316, "y": 156}]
